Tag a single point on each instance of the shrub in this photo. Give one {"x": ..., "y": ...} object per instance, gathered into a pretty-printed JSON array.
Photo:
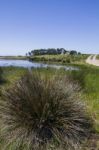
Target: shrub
[{"x": 39, "y": 111}]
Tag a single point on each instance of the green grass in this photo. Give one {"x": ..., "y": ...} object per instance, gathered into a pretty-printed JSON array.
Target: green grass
[
  {"x": 97, "y": 57},
  {"x": 10, "y": 75},
  {"x": 88, "y": 78},
  {"x": 14, "y": 57},
  {"x": 61, "y": 58}
]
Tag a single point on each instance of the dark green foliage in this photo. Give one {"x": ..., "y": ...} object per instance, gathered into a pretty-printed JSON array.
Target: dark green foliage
[
  {"x": 73, "y": 52},
  {"x": 40, "y": 111},
  {"x": 50, "y": 51}
]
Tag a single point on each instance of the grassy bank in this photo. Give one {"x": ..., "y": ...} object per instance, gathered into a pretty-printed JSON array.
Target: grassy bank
[
  {"x": 61, "y": 58},
  {"x": 14, "y": 57}
]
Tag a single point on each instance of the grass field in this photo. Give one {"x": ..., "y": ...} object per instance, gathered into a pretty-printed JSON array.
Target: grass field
[
  {"x": 88, "y": 79},
  {"x": 97, "y": 57},
  {"x": 14, "y": 57}
]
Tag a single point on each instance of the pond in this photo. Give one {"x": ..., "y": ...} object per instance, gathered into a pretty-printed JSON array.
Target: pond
[{"x": 28, "y": 64}]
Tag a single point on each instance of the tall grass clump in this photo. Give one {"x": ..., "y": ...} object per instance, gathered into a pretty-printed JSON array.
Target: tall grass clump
[
  {"x": 41, "y": 113},
  {"x": 1, "y": 75}
]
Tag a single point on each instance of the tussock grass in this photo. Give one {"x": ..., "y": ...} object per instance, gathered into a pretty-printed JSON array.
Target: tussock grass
[
  {"x": 1, "y": 75},
  {"x": 41, "y": 113}
]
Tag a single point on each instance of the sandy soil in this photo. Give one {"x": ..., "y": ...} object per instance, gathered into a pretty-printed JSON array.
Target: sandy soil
[{"x": 92, "y": 60}]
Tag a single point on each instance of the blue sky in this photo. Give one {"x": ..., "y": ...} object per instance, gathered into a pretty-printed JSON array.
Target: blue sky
[{"x": 30, "y": 24}]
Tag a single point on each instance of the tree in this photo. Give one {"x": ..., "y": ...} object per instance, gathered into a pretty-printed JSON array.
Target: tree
[{"x": 73, "y": 52}]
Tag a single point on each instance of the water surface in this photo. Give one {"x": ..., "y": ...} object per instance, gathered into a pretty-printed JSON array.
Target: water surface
[{"x": 28, "y": 64}]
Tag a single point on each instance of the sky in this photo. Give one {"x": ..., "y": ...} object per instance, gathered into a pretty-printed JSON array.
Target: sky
[{"x": 32, "y": 24}]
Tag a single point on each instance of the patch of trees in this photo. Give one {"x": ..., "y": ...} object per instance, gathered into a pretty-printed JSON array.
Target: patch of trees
[
  {"x": 51, "y": 51},
  {"x": 73, "y": 52}
]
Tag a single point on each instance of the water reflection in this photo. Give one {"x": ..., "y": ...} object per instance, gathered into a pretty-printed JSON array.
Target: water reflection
[{"x": 28, "y": 64}]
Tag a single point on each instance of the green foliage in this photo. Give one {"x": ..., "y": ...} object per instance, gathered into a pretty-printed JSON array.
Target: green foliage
[
  {"x": 65, "y": 58},
  {"x": 49, "y": 51},
  {"x": 38, "y": 113},
  {"x": 73, "y": 52}
]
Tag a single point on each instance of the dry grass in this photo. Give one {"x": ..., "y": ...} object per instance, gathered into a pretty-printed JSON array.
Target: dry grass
[{"x": 41, "y": 113}]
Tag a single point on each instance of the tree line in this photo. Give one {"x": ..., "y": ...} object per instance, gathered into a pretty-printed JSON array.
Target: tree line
[{"x": 51, "y": 51}]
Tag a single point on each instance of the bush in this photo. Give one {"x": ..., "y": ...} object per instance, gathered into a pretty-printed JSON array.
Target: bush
[{"x": 39, "y": 111}]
